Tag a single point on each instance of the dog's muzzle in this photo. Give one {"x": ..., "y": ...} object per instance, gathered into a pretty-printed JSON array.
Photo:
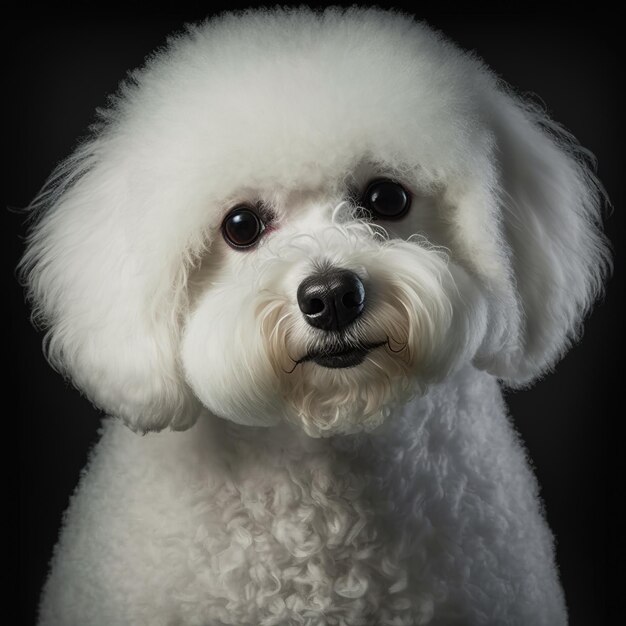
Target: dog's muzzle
[{"x": 331, "y": 300}]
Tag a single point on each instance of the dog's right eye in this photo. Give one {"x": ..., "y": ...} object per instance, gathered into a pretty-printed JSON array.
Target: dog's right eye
[{"x": 242, "y": 227}]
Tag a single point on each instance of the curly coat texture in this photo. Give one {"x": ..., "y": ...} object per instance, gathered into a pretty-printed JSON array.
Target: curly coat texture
[
  {"x": 394, "y": 492},
  {"x": 432, "y": 519}
]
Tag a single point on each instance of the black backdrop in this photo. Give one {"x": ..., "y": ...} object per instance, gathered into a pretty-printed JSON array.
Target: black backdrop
[{"x": 62, "y": 67}]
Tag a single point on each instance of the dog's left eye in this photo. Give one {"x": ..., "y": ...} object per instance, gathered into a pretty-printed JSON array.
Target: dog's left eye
[
  {"x": 242, "y": 227},
  {"x": 386, "y": 199}
]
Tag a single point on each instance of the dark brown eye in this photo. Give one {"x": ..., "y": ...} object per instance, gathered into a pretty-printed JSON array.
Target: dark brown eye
[
  {"x": 386, "y": 200},
  {"x": 242, "y": 227}
]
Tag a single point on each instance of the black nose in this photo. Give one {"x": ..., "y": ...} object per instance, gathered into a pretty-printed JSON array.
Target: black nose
[{"x": 331, "y": 299}]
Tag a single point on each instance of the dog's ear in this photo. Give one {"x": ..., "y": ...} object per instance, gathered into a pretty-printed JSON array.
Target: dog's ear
[
  {"x": 109, "y": 292},
  {"x": 557, "y": 256}
]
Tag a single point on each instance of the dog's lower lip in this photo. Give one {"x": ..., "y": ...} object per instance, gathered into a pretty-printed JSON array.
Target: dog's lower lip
[{"x": 348, "y": 357}]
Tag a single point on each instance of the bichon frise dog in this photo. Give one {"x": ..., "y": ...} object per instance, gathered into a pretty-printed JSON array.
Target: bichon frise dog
[{"x": 314, "y": 243}]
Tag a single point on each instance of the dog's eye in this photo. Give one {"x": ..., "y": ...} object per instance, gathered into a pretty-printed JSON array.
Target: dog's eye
[
  {"x": 242, "y": 227},
  {"x": 386, "y": 199}
]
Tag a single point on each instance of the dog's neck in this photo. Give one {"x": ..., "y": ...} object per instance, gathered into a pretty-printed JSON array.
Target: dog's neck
[{"x": 291, "y": 440}]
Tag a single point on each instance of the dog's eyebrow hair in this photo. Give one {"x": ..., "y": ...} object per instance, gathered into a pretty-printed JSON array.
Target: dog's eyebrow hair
[{"x": 342, "y": 207}]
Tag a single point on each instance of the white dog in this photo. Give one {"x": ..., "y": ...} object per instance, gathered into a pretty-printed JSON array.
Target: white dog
[{"x": 315, "y": 243}]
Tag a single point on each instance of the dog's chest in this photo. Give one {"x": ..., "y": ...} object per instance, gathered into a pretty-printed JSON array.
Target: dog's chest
[{"x": 276, "y": 531}]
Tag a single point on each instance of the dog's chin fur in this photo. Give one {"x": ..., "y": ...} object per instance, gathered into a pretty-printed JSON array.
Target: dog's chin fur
[
  {"x": 418, "y": 312},
  {"x": 408, "y": 323}
]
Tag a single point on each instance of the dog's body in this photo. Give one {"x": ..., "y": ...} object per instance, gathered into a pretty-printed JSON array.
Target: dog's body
[
  {"x": 314, "y": 242},
  {"x": 433, "y": 519}
]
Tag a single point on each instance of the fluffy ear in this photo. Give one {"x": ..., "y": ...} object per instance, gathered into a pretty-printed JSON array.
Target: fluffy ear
[
  {"x": 109, "y": 292},
  {"x": 558, "y": 257}
]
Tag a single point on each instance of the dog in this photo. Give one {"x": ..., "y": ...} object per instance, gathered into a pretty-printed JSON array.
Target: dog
[{"x": 301, "y": 253}]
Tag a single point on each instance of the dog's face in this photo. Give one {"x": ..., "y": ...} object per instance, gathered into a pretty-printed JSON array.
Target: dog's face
[
  {"x": 310, "y": 217},
  {"x": 313, "y": 306}
]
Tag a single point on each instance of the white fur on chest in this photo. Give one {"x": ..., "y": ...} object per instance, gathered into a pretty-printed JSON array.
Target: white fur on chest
[{"x": 233, "y": 525}]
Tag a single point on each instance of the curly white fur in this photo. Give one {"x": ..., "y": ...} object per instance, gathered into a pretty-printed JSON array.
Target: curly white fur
[{"x": 393, "y": 492}]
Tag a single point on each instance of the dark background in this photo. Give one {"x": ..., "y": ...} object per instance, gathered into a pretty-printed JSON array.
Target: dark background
[{"x": 60, "y": 68}]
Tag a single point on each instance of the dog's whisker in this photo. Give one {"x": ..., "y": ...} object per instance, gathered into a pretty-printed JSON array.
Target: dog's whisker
[
  {"x": 399, "y": 343},
  {"x": 275, "y": 330},
  {"x": 295, "y": 364}
]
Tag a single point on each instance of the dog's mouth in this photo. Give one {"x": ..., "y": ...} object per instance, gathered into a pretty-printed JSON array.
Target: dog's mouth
[{"x": 341, "y": 356}]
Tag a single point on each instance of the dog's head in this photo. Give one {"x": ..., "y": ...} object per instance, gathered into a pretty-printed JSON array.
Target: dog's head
[{"x": 310, "y": 216}]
